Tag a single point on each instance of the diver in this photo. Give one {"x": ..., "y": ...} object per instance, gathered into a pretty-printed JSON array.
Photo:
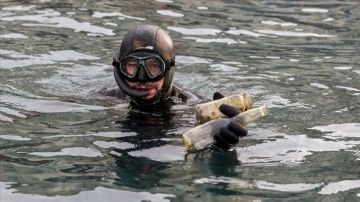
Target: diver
[{"x": 144, "y": 71}]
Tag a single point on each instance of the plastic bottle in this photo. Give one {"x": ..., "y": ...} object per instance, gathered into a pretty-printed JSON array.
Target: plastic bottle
[
  {"x": 200, "y": 137},
  {"x": 210, "y": 110}
]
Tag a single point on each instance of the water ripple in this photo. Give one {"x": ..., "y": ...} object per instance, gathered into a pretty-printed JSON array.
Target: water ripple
[
  {"x": 14, "y": 137},
  {"x": 166, "y": 153},
  {"x": 52, "y": 18},
  {"x": 120, "y": 16},
  {"x": 293, "y": 34},
  {"x": 46, "y": 106},
  {"x": 14, "y": 36},
  {"x": 336, "y": 187},
  {"x": 340, "y": 131},
  {"x": 98, "y": 194},
  {"x": 195, "y": 31},
  {"x": 170, "y": 13},
  {"x": 52, "y": 57},
  {"x": 291, "y": 149},
  {"x": 74, "y": 151}
]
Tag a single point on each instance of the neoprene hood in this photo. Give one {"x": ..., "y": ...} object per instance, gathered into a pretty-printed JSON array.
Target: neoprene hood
[{"x": 146, "y": 39}]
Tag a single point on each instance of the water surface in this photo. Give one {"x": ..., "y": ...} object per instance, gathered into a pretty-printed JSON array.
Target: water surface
[{"x": 60, "y": 142}]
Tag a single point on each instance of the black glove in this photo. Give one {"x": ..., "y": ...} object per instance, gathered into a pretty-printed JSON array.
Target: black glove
[{"x": 229, "y": 135}]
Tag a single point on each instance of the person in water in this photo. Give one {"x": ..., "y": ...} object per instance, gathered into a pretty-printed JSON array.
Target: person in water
[{"x": 144, "y": 72}]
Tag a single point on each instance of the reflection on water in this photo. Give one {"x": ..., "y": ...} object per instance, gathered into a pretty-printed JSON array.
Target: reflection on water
[
  {"x": 51, "y": 18},
  {"x": 98, "y": 194},
  {"x": 289, "y": 149},
  {"x": 61, "y": 142}
]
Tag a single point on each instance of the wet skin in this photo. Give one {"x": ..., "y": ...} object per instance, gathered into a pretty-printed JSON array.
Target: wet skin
[{"x": 153, "y": 87}]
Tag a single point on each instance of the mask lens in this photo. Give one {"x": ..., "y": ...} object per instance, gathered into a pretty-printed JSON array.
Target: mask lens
[
  {"x": 154, "y": 66},
  {"x": 133, "y": 67},
  {"x": 129, "y": 66}
]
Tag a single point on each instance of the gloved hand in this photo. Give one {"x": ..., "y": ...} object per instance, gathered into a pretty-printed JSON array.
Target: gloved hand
[{"x": 229, "y": 135}]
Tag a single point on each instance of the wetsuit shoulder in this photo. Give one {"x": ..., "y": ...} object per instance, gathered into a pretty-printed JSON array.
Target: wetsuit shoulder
[
  {"x": 111, "y": 92},
  {"x": 185, "y": 96}
]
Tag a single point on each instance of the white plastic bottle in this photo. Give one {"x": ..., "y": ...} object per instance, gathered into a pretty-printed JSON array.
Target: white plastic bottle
[
  {"x": 200, "y": 137},
  {"x": 205, "y": 112}
]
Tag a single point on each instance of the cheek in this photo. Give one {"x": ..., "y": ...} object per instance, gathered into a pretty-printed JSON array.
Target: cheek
[{"x": 160, "y": 83}]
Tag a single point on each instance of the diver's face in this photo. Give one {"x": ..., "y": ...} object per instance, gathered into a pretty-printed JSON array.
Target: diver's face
[{"x": 152, "y": 87}]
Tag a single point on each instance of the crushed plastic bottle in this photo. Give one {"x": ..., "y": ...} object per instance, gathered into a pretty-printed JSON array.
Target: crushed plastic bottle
[
  {"x": 205, "y": 112},
  {"x": 202, "y": 136}
]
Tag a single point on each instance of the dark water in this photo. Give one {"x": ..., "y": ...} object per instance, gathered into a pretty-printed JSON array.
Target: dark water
[{"x": 58, "y": 142}]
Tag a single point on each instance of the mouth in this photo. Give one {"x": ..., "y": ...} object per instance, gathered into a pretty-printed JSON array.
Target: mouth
[{"x": 151, "y": 91}]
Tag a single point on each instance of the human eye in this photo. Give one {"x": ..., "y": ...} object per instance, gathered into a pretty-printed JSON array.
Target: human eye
[
  {"x": 131, "y": 66},
  {"x": 153, "y": 63}
]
